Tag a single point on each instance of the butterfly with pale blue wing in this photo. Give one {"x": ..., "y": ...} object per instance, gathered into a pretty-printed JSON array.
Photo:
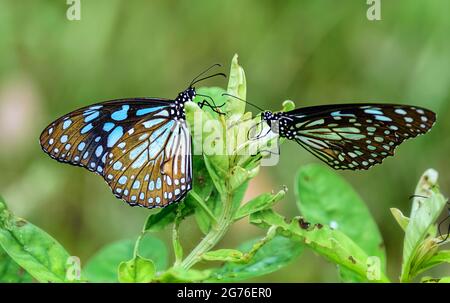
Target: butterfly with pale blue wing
[
  {"x": 140, "y": 146},
  {"x": 350, "y": 136}
]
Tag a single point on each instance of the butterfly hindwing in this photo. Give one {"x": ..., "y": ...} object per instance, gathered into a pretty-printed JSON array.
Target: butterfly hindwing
[
  {"x": 355, "y": 136},
  {"x": 85, "y": 136},
  {"x": 151, "y": 165}
]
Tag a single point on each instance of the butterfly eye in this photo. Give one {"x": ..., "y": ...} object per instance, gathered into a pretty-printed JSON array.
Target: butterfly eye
[{"x": 266, "y": 115}]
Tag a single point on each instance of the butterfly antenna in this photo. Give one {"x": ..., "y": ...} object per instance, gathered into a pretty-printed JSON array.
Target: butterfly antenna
[
  {"x": 236, "y": 97},
  {"x": 207, "y": 77},
  {"x": 417, "y": 196},
  {"x": 239, "y": 122},
  {"x": 206, "y": 96},
  {"x": 440, "y": 233},
  {"x": 204, "y": 72}
]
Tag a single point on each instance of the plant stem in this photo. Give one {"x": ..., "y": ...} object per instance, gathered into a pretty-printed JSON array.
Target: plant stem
[
  {"x": 213, "y": 236},
  {"x": 137, "y": 243},
  {"x": 177, "y": 248}
]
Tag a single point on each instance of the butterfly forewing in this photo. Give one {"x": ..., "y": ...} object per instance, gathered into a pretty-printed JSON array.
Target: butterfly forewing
[
  {"x": 85, "y": 136},
  {"x": 151, "y": 164},
  {"x": 355, "y": 136}
]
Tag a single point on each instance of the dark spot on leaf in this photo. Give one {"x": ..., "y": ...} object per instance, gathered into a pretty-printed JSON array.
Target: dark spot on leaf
[
  {"x": 319, "y": 226},
  {"x": 21, "y": 272},
  {"x": 303, "y": 224},
  {"x": 201, "y": 180},
  {"x": 352, "y": 259},
  {"x": 381, "y": 245},
  {"x": 435, "y": 280},
  {"x": 20, "y": 222}
]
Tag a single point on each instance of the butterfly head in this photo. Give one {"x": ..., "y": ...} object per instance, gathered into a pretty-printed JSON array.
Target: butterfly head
[
  {"x": 187, "y": 95},
  {"x": 277, "y": 122},
  {"x": 270, "y": 117},
  {"x": 267, "y": 116}
]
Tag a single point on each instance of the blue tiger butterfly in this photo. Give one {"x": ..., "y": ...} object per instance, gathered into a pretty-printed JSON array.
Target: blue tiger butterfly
[
  {"x": 140, "y": 146},
  {"x": 350, "y": 136}
]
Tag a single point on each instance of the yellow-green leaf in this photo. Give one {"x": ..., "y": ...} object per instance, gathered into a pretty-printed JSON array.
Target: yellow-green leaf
[
  {"x": 136, "y": 270},
  {"x": 32, "y": 248}
]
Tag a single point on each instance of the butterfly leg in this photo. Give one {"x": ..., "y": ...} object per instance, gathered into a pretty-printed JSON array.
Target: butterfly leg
[
  {"x": 214, "y": 107},
  {"x": 253, "y": 129},
  {"x": 277, "y": 152},
  {"x": 448, "y": 229}
]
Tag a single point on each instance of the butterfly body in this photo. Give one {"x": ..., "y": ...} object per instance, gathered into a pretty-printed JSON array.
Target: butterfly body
[
  {"x": 140, "y": 146},
  {"x": 351, "y": 136}
]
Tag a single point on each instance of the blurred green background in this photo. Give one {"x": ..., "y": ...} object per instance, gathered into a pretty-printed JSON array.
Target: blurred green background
[{"x": 313, "y": 52}]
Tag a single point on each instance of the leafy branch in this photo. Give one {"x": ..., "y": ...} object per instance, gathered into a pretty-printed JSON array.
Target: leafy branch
[{"x": 333, "y": 220}]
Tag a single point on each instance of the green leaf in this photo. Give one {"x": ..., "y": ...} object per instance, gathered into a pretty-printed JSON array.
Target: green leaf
[
  {"x": 225, "y": 255},
  {"x": 176, "y": 244},
  {"x": 238, "y": 177},
  {"x": 201, "y": 193},
  {"x": 324, "y": 197},
  {"x": 438, "y": 258},
  {"x": 102, "y": 267},
  {"x": 202, "y": 183},
  {"x": 401, "y": 219},
  {"x": 436, "y": 280},
  {"x": 159, "y": 221},
  {"x": 288, "y": 105},
  {"x": 238, "y": 195},
  {"x": 216, "y": 94},
  {"x": 331, "y": 244},
  {"x": 177, "y": 275},
  {"x": 136, "y": 270},
  {"x": 259, "y": 203},
  {"x": 202, "y": 186},
  {"x": 204, "y": 220},
  {"x": 237, "y": 135},
  {"x": 237, "y": 87},
  {"x": 209, "y": 138},
  {"x": 215, "y": 177},
  {"x": 10, "y": 271},
  {"x": 272, "y": 256},
  {"x": 204, "y": 216},
  {"x": 32, "y": 248},
  {"x": 424, "y": 213}
]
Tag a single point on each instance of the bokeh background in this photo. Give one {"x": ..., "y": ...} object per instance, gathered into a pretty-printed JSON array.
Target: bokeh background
[{"x": 312, "y": 52}]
